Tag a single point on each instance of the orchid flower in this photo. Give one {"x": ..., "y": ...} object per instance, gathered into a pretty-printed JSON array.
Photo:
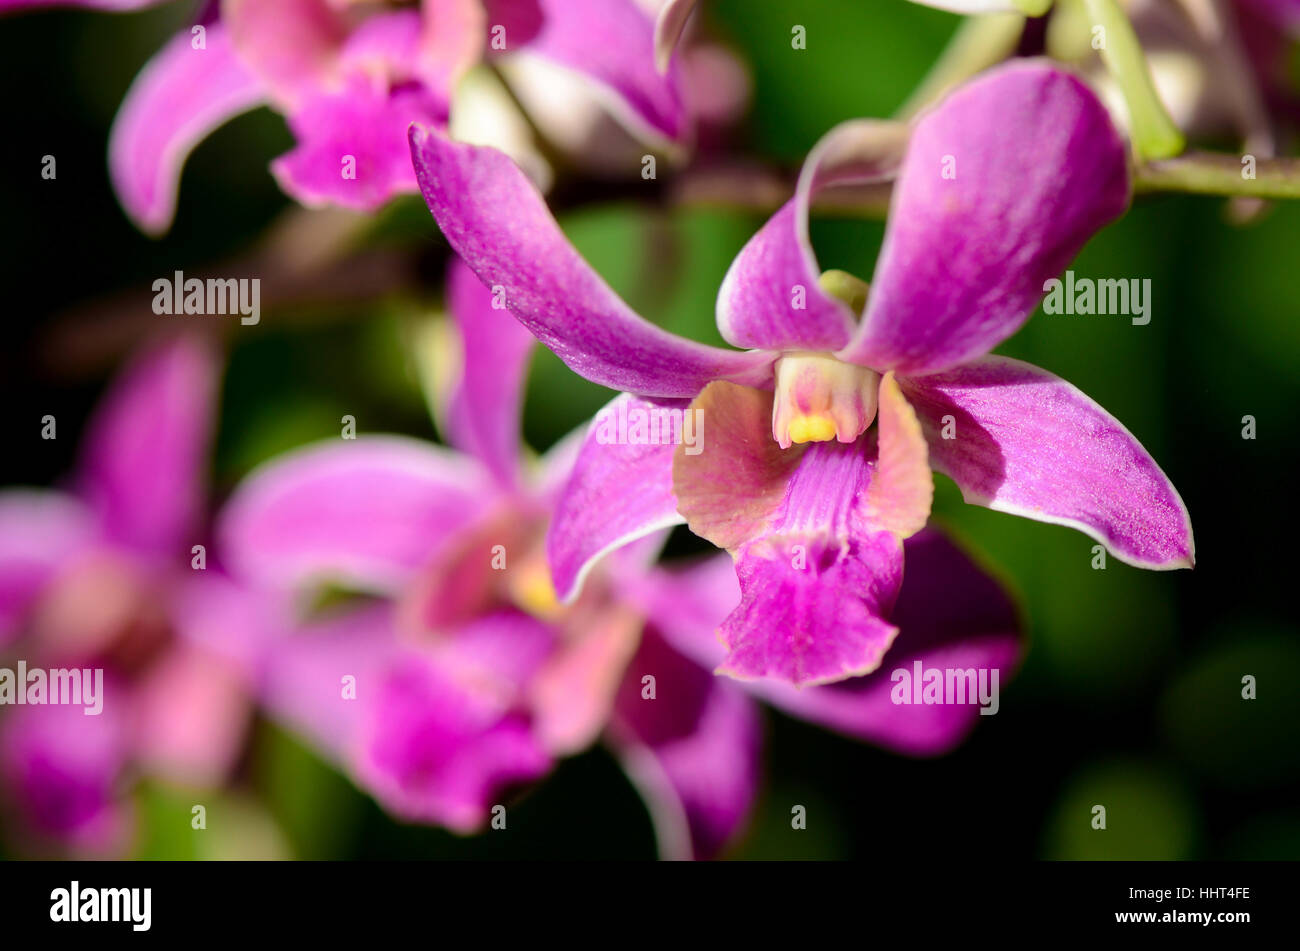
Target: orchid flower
[
  {"x": 461, "y": 676},
  {"x": 1000, "y": 186},
  {"x": 350, "y": 77},
  {"x": 102, "y": 576}
]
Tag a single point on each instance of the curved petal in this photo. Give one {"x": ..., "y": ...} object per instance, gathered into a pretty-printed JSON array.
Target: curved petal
[
  {"x": 1003, "y": 183},
  {"x": 40, "y": 531},
  {"x": 497, "y": 222},
  {"x": 812, "y": 608},
  {"x": 611, "y": 44},
  {"x": 771, "y": 297},
  {"x": 478, "y": 400},
  {"x": 62, "y": 769},
  {"x": 190, "y": 713},
  {"x": 620, "y": 490},
  {"x": 427, "y": 746},
  {"x": 817, "y": 575},
  {"x": 180, "y": 96},
  {"x": 452, "y": 38},
  {"x": 902, "y": 488},
  {"x": 352, "y": 147},
  {"x": 368, "y": 512},
  {"x": 572, "y": 694},
  {"x": 690, "y": 742},
  {"x": 668, "y": 29},
  {"x": 144, "y": 457},
  {"x": 1027, "y": 442},
  {"x": 292, "y": 45},
  {"x": 950, "y": 614}
]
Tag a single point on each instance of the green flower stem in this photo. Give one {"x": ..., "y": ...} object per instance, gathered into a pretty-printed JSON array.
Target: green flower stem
[
  {"x": 1154, "y": 134},
  {"x": 1211, "y": 173}
]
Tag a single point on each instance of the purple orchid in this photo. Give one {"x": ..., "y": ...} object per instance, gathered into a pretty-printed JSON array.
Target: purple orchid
[
  {"x": 350, "y": 77},
  {"x": 1000, "y": 186},
  {"x": 102, "y": 577},
  {"x": 462, "y": 676}
]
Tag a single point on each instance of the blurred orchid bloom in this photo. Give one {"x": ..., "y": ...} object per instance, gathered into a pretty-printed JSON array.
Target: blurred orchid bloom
[
  {"x": 463, "y": 676},
  {"x": 999, "y": 187},
  {"x": 102, "y": 577},
  {"x": 350, "y": 76},
  {"x": 673, "y": 14}
]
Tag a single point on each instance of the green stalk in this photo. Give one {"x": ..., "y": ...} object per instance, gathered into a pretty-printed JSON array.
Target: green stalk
[
  {"x": 1154, "y": 134},
  {"x": 1211, "y": 173}
]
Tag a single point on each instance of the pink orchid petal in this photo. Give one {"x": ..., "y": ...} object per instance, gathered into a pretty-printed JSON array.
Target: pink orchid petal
[
  {"x": 481, "y": 405},
  {"x": 817, "y": 575},
  {"x": 180, "y": 96},
  {"x": 1026, "y": 442},
  {"x": 616, "y": 494},
  {"x": 811, "y": 608},
  {"x": 143, "y": 466},
  {"x": 428, "y": 747},
  {"x": 692, "y": 750},
  {"x": 902, "y": 488},
  {"x": 352, "y": 147},
  {"x": 610, "y": 43},
  {"x": 63, "y": 769},
  {"x": 293, "y": 45},
  {"x": 453, "y": 37},
  {"x": 1003, "y": 183},
  {"x": 572, "y": 694},
  {"x": 40, "y": 532},
  {"x": 368, "y": 512},
  {"x": 950, "y": 614},
  {"x": 771, "y": 297},
  {"x": 190, "y": 716},
  {"x": 498, "y": 223},
  {"x": 669, "y": 25},
  {"x": 732, "y": 491}
]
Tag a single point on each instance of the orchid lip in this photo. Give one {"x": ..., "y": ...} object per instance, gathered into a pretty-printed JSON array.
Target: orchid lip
[{"x": 820, "y": 398}]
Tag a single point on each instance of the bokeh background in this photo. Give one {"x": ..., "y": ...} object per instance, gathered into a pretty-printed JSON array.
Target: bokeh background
[{"x": 1131, "y": 692}]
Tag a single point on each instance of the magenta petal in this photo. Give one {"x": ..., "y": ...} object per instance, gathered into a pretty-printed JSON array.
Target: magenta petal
[
  {"x": 668, "y": 29},
  {"x": 950, "y": 614},
  {"x": 1029, "y": 443},
  {"x": 951, "y": 617},
  {"x": 611, "y": 43},
  {"x": 352, "y": 148},
  {"x": 180, "y": 96},
  {"x": 144, "y": 458},
  {"x": 812, "y": 609},
  {"x": 62, "y": 768},
  {"x": 482, "y": 403},
  {"x": 692, "y": 749},
  {"x": 428, "y": 746},
  {"x": 190, "y": 713},
  {"x": 498, "y": 223},
  {"x": 616, "y": 494},
  {"x": 771, "y": 298},
  {"x": 1003, "y": 183},
  {"x": 293, "y": 45},
  {"x": 40, "y": 531},
  {"x": 366, "y": 512}
]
